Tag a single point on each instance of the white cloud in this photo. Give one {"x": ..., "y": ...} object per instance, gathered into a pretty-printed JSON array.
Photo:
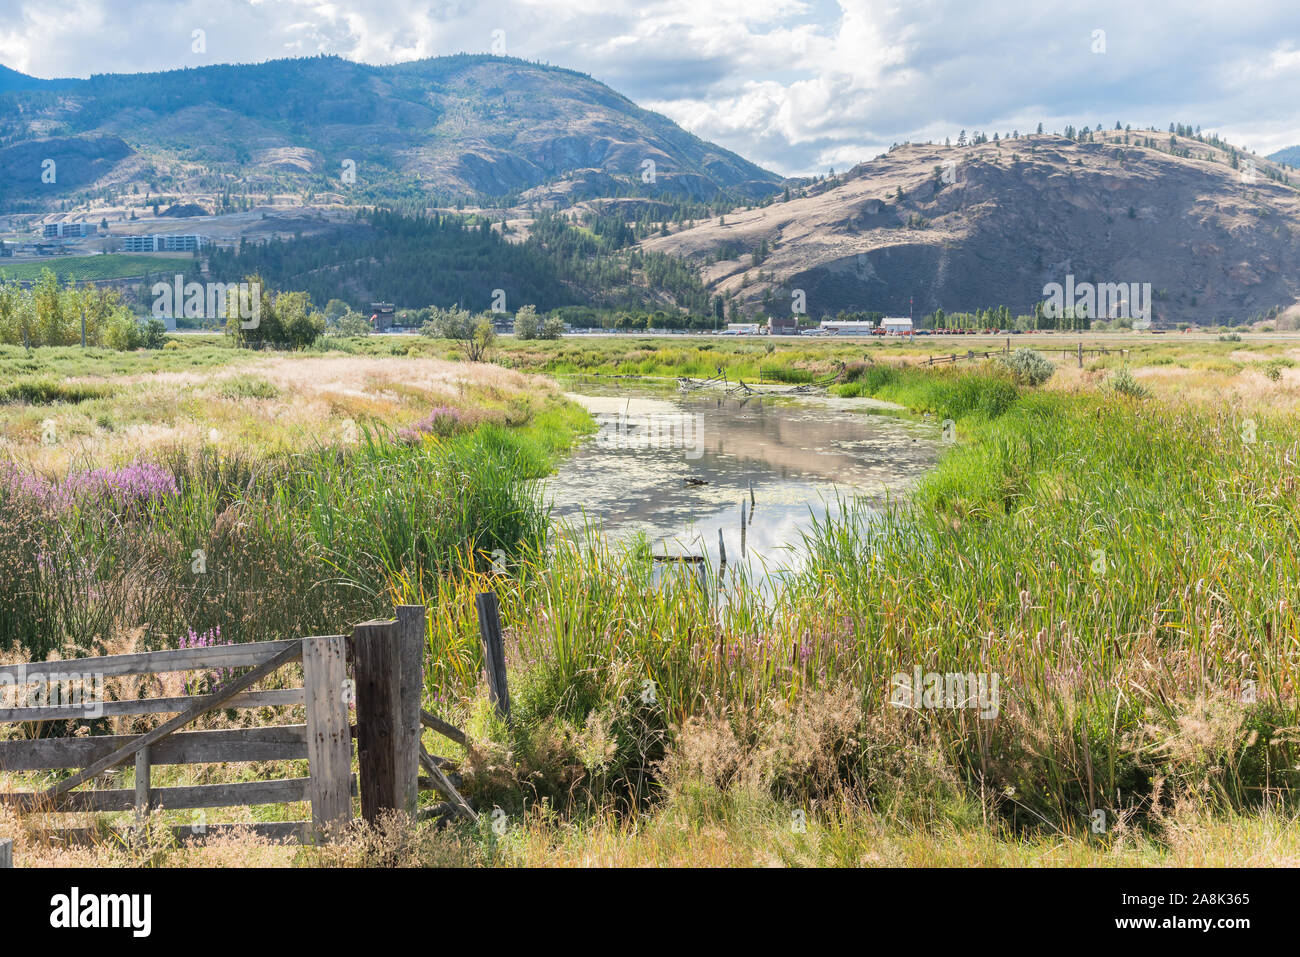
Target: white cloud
[{"x": 794, "y": 84}]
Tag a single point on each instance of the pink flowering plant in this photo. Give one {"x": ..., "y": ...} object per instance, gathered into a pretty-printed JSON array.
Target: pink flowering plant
[
  {"x": 443, "y": 421},
  {"x": 205, "y": 681},
  {"x": 123, "y": 488}
]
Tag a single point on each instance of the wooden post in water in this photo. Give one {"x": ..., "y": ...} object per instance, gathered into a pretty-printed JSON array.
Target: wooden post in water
[
  {"x": 6, "y": 852},
  {"x": 329, "y": 739},
  {"x": 494, "y": 653},
  {"x": 742, "y": 528},
  {"x": 378, "y": 665},
  {"x": 752, "y": 503}
]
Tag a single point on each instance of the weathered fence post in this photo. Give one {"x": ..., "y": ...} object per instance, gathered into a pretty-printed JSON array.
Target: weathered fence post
[
  {"x": 143, "y": 767},
  {"x": 329, "y": 740},
  {"x": 1080, "y": 353},
  {"x": 411, "y": 634},
  {"x": 6, "y": 852},
  {"x": 378, "y": 665},
  {"x": 494, "y": 653}
]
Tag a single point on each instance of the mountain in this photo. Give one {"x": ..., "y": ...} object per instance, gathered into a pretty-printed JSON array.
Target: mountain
[
  {"x": 1215, "y": 231},
  {"x": 1289, "y": 156},
  {"x": 457, "y": 126},
  {"x": 12, "y": 80}
]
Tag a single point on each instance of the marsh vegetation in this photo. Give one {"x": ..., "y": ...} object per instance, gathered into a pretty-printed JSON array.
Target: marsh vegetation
[{"x": 1123, "y": 561}]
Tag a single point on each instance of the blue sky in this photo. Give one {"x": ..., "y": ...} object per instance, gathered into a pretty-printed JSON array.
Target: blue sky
[{"x": 796, "y": 86}]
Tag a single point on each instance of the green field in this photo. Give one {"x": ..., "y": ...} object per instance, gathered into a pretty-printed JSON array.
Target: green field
[{"x": 112, "y": 266}]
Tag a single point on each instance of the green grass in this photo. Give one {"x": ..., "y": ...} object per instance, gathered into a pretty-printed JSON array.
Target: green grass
[
  {"x": 79, "y": 268},
  {"x": 42, "y": 391}
]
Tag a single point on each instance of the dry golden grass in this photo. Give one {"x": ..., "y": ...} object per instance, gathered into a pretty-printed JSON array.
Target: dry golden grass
[
  {"x": 275, "y": 402},
  {"x": 752, "y": 833}
]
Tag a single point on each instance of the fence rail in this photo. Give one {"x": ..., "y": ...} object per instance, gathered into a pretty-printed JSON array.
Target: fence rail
[
  {"x": 1078, "y": 353},
  {"x": 385, "y": 659}
]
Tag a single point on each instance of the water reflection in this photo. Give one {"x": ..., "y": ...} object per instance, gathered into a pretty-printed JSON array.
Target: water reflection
[{"x": 678, "y": 467}]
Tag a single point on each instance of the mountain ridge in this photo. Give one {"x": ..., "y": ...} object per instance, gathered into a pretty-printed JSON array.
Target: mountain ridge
[
  {"x": 959, "y": 227},
  {"x": 456, "y": 126}
]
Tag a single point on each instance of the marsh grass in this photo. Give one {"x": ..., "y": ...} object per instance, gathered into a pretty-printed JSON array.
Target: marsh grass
[{"x": 1126, "y": 567}]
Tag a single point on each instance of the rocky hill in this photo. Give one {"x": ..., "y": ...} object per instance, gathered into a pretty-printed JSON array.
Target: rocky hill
[{"x": 1215, "y": 231}]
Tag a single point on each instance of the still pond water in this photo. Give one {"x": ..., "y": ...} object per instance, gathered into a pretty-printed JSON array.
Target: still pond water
[{"x": 677, "y": 467}]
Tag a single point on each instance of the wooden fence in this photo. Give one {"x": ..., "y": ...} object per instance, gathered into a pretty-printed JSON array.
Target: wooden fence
[
  {"x": 386, "y": 659},
  {"x": 1078, "y": 352}
]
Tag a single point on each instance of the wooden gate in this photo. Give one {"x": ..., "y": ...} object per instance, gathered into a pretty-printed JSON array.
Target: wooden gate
[{"x": 386, "y": 658}]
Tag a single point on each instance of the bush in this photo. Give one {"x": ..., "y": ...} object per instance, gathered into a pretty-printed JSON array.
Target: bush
[
  {"x": 283, "y": 319},
  {"x": 351, "y": 324},
  {"x": 1273, "y": 368},
  {"x": 154, "y": 334},
  {"x": 528, "y": 325},
  {"x": 1028, "y": 367},
  {"x": 1122, "y": 382}
]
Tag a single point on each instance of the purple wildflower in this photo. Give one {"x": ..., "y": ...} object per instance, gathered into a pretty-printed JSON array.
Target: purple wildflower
[
  {"x": 138, "y": 482},
  {"x": 443, "y": 421},
  {"x": 209, "y": 639}
]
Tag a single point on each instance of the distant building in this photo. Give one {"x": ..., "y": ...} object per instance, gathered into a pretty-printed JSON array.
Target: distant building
[
  {"x": 5, "y": 249},
  {"x": 782, "y": 326},
  {"x": 381, "y": 316},
  {"x": 165, "y": 243},
  {"x": 849, "y": 327},
  {"x": 68, "y": 230},
  {"x": 896, "y": 326}
]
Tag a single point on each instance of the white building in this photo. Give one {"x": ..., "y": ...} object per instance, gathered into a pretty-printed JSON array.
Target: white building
[
  {"x": 852, "y": 327},
  {"x": 896, "y": 326},
  {"x": 165, "y": 243},
  {"x": 68, "y": 230}
]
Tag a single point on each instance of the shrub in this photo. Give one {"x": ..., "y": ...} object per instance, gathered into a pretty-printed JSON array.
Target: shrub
[
  {"x": 154, "y": 334},
  {"x": 1273, "y": 369},
  {"x": 1028, "y": 367},
  {"x": 351, "y": 324},
  {"x": 527, "y": 323},
  {"x": 1122, "y": 382}
]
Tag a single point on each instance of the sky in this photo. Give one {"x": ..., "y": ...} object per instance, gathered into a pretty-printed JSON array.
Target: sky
[{"x": 798, "y": 86}]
